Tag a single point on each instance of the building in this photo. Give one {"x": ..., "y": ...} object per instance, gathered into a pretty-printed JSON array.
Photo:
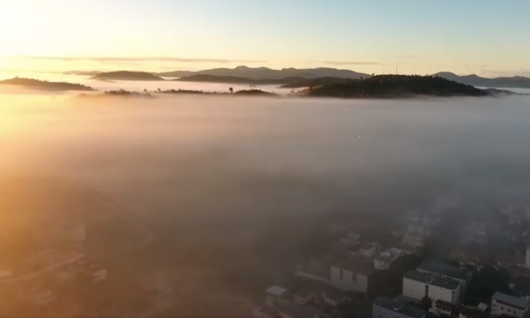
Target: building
[
  {"x": 297, "y": 311},
  {"x": 277, "y": 296},
  {"x": 303, "y": 297},
  {"x": 364, "y": 249},
  {"x": 459, "y": 275},
  {"x": 418, "y": 285},
  {"x": 415, "y": 240},
  {"x": 386, "y": 308},
  {"x": 466, "y": 312},
  {"x": 351, "y": 275},
  {"x": 264, "y": 312},
  {"x": 508, "y": 305},
  {"x": 403, "y": 249},
  {"x": 442, "y": 308},
  {"x": 332, "y": 297},
  {"x": 384, "y": 260}
]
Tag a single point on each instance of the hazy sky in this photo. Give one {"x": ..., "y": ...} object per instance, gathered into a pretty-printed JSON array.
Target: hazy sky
[{"x": 488, "y": 37}]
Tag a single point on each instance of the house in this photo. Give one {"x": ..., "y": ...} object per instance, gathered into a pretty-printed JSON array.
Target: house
[
  {"x": 90, "y": 270},
  {"x": 418, "y": 285},
  {"x": 508, "y": 305},
  {"x": 303, "y": 297},
  {"x": 297, "y": 311},
  {"x": 461, "y": 276},
  {"x": 415, "y": 240},
  {"x": 264, "y": 312},
  {"x": 385, "y": 259},
  {"x": 440, "y": 308},
  {"x": 466, "y": 312},
  {"x": 386, "y": 308},
  {"x": 277, "y": 296},
  {"x": 332, "y": 297},
  {"x": 350, "y": 238},
  {"x": 403, "y": 249},
  {"x": 364, "y": 249},
  {"x": 351, "y": 275}
]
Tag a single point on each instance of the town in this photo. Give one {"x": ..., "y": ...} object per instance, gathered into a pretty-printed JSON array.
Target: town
[{"x": 433, "y": 264}]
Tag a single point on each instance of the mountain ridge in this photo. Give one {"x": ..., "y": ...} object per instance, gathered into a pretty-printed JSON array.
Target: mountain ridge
[{"x": 265, "y": 73}]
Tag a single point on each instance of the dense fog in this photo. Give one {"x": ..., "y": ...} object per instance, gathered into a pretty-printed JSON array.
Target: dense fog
[{"x": 253, "y": 183}]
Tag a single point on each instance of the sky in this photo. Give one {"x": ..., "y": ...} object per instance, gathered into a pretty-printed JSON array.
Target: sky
[{"x": 486, "y": 37}]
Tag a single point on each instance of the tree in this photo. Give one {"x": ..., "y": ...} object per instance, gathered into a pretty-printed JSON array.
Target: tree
[
  {"x": 231, "y": 89},
  {"x": 426, "y": 303}
]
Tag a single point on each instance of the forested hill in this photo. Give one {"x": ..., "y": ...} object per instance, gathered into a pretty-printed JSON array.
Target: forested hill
[{"x": 388, "y": 86}]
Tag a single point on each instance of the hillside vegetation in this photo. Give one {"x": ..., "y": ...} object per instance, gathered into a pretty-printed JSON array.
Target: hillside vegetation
[
  {"x": 45, "y": 85},
  {"x": 387, "y": 86}
]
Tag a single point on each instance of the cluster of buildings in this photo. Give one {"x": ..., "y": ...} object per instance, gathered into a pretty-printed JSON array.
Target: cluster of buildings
[
  {"x": 432, "y": 289},
  {"x": 312, "y": 302}
]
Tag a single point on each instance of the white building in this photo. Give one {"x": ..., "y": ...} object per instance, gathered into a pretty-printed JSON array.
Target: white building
[
  {"x": 461, "y": 276},
  {"x": 418, "y": 285},
  {"x": 351, "y": 276},
  {"x": 509, "y": 305}
]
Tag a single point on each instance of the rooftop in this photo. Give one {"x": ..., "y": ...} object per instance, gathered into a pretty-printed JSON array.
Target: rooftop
[
  {"x": 511, "y": 300},
  {"x": 276, "y": 290},
  {"x": 268, "y": 310},
  {"x": 444, "y": 270},
  {"x": 298, "y": 311},
  {"x": 399, "y": 307},
  {"x": 431, "y": 280}
]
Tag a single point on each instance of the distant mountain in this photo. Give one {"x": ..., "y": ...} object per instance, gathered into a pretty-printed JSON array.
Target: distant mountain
[
  {"x": 82, "y": 73},
  {"x": 127, "y": 76},
  {"x": 45, "y": 85},
  {"x": 238, "y": 80},
  {"x": 475, "y": 80},
  {"x": 395, "y": 86},
  {"x": 264, "y": 73}
]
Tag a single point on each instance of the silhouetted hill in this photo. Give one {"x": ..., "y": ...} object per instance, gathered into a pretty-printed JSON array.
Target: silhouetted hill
[
  {"x": 475, "y": 80},
  {"x": 264, "y": 73},
  {"x": 45, "y": 85},
  {"x": 127, "y": 76},
  {"x": 388, "y": 86},
  {"x": 237, "y": 80}
]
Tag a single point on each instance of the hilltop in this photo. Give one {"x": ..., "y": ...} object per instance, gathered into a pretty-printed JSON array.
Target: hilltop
[
  {"x": 475, "y": 80},
  {"x": 264, "y": 73},
  {"x": 390, "y": 86},
  {"x": 127, "y": 76},
  {"x": 45, "y": 85},
  {"x": 238, "y": 80}
]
